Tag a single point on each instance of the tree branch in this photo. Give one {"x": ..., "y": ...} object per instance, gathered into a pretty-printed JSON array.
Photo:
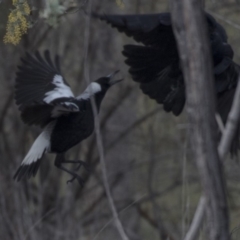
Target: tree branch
[
  {"x": 231, "y": 125},
  {"x": 117, "y": 221},
  {"x": 197, "y": 220}
]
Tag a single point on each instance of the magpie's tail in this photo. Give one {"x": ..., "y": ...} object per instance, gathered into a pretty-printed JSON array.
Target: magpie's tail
[{"x": 31, "y": 162}]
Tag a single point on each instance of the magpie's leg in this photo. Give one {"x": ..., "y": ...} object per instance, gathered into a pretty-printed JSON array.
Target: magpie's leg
[
  {"x": 58, "y": 163},
  {"x": 80, "y": 163}
]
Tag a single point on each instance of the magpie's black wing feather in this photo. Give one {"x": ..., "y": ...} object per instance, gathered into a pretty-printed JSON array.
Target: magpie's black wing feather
[
  {"x": 39, "y": 80},
  {"x": 40, "y": 89},
  {"x": 42, "y": 114}
]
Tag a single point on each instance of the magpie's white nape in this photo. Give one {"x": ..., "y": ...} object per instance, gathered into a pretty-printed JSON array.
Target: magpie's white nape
[{"x": 45, "y": 98}]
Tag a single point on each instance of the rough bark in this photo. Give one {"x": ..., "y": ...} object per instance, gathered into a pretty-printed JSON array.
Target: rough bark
[{"x": 190, "y": 31}]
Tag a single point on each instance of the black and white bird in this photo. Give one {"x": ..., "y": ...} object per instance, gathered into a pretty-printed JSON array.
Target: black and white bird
[
  {"x": 46, "y": 99},
  {"x": 155, "y": 65}
]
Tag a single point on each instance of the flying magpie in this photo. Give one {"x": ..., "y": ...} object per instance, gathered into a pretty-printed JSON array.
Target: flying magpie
[
  {"x": 155, "y": 65},
  {"x": 45, "y": 98}
]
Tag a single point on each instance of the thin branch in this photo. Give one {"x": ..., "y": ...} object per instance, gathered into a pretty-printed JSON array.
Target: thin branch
[
  {"x": 133, "y": 126},
  {"x": 118, "y": 224},
  {"x": 231, "y": 125},
  {"x": 119, "y": 138},
  {"x": 39, "y": 221},
  {"x": 153, "y": 222},
  {"x": 197, "y": 220},
  {"x": 6, "y": 107},
  {"x": 163, "y": 233},
  {"x": 219, "y": 122},
  {"x": 229, "y": 22},
  {"x": 121, "y": 212}
]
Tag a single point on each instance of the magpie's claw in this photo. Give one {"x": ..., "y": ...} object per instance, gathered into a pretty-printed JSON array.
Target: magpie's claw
[{"x": 79, "y": 179}]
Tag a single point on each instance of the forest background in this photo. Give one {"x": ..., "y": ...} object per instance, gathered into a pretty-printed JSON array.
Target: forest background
[{"x": 150, "y": 167}]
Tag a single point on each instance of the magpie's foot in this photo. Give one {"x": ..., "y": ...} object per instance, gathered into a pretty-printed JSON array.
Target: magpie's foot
[
  {"x": 85, "y": 165},
  {"x": 79, "y": 179}
]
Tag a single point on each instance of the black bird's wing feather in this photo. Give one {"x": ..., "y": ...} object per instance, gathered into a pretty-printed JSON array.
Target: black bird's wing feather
[
  {"x": 158, "y": 74},
  {"x": 156, "y": 65},
  {"x": 41, "y": 91},
  {"x": 149, "y": 29}
]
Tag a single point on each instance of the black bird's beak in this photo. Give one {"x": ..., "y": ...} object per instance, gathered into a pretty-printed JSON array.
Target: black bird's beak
[{"x": 113, "y": 81}]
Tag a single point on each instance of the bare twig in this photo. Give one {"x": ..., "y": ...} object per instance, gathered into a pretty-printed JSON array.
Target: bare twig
[
  {"x": 120, "y": 137},
  {"x": 232, "y": 24},
  {"x": 219, "y": 122},
  {"x": 153, "y": 222},
  {"x": 121, "y": 212},
  {"x": 197, "y": 220},
  {"x": 39, "y": 221},
  {"x": 5, "y": 110},
  {"x": 133, "y": 126},
  {"x": 231, "y": 125},
  {"x": 163, "y": 233},
  {"x": 118, "y": 224}
]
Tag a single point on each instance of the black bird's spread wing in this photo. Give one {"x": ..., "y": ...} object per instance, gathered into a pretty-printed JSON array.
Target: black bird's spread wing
[
  {"x": 41, "y": 92},
  {"x": 156, "y": 65},
  {"x": 149, "y": 29},
  {"x": 158, "y": 74}
]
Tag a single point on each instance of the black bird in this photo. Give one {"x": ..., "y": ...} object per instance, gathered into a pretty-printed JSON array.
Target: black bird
[
  {"x": 45, "y": 98},
  {"x": 156, "y": 64}
]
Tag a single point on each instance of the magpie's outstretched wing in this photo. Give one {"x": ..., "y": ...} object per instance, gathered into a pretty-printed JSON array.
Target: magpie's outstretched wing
[{"x": 41, "y": 92}]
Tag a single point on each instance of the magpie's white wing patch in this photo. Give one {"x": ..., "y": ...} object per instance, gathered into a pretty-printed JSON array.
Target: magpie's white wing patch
[
  {"x": 39, "y": 80},
  {"x": 40, "y": 88},
  {"x": 91, "y": 89},
  {"x": 61, "y": 90}
]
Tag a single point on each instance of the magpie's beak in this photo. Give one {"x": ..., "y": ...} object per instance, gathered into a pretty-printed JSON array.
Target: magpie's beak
[{"x": 113, "y": 81}]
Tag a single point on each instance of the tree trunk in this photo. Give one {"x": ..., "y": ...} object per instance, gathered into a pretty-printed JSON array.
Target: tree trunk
[{"x": 191, "y": 34}]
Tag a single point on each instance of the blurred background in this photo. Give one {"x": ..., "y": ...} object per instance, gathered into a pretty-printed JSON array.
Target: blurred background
[{"x": 150, "y": 169}]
